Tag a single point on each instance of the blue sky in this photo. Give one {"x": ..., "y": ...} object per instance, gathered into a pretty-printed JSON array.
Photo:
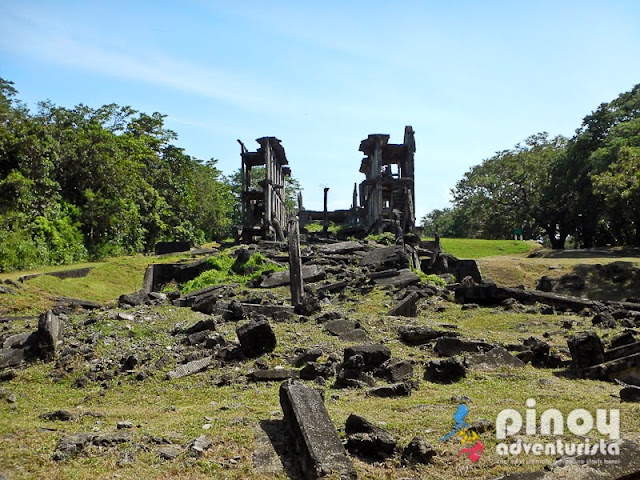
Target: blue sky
[{"x": 471, "y": 77}]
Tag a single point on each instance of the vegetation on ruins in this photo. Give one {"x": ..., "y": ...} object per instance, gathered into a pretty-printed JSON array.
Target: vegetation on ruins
[{"x": 584, "y": 188}]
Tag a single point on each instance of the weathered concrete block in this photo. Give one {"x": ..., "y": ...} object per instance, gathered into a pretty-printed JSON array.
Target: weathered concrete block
[
  {"x": 420, "y": 334},
  {"x": 373, "y": 355},
  {"x": 11, "y": 357},
  {"x": 256, "y": 337},
  {"x": 50, "y": 330},
  {"x": 310, "y": 273},
  {"x": 368, "y": 440},
  {"x": 447, "y": 370},
  {"x": 190, "y": 368},
  {"x": 586, "y": 350},
  {"x": 273, "y": 375},
  {"x": 319, "y": 448},
  {"x": 450, "y": 346},
  {"x": 407, "y": 307}
]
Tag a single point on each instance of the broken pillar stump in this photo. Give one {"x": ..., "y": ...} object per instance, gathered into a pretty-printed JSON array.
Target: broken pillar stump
[
  {"x": 50, "y": 329},
  {"x": 295, "y": 264},
  {"x": 319, "y": 448}
]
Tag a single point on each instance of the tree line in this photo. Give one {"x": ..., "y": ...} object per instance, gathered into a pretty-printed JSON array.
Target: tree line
[
  {"x": 583, "y": 190},
  {"x": 85, "y": 183}
]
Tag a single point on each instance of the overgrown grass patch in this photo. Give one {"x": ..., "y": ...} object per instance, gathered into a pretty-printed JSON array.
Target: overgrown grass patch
[{"x": 225, "y": 269}]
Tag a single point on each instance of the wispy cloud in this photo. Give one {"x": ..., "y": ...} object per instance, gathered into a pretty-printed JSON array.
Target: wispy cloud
[{"x": 28, "y": 35}]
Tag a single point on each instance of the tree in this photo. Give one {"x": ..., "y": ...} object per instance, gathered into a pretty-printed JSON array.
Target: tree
[
  {"x": 581, "y": 165},
  {"x": 510, "y": 190}
]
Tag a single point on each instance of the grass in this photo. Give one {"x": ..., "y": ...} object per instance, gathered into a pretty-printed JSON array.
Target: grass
[
  {"x": 177, "y": 409},
  {"x": 225, "y": 269},
  {"x": 473, "y": 248}
]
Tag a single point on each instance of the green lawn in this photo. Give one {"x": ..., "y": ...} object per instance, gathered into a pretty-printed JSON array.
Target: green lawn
[{"x": 478, "y": 248}]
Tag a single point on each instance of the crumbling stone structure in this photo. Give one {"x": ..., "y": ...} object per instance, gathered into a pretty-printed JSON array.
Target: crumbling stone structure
[
  {"x": 385, "y": 200},
  {"x": 387, "y": 195},
  {"x": 263, "y": 190}
]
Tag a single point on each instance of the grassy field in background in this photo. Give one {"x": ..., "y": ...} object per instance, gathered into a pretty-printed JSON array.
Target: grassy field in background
[{"x": 474, "y": 248}]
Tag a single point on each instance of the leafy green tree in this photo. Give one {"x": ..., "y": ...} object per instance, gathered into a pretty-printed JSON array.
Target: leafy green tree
[{"x": 510, "y": 190}]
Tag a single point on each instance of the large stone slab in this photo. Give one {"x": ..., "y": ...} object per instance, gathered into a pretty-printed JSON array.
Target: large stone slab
[
  {"x": 386, "y": 257},
  {"x": 625, "y": 369},
  {"x": 421, "y": 334},
  {"x": 273, "y": 375},
  {"x": 190, "y": 368},
  {"x": 340, "y": 248},
  {"x": 319, "y": 448},
  {"x": 404, "y": 278},
  {"x": 586, "y": 350},
  {"x": 495, "y": 358},
  {"x": 310, "y": 273},
  {"x": 450, "y": 346},
  {"x": 11, "y": 357}
]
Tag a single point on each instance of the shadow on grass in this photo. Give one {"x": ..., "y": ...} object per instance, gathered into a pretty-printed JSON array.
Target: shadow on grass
[
  {"x": 282, "y": 446},
  {"x": 588, "y": 253}
]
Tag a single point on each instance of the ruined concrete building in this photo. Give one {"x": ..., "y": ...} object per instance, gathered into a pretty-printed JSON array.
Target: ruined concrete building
[
  {"x": 387, "y": 195},
  {"x": 263, "y": 190},
  {"x": 384, "y": 201}
]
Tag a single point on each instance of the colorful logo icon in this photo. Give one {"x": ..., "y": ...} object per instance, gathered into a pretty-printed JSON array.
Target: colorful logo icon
[{"x": 467, "y": 435}]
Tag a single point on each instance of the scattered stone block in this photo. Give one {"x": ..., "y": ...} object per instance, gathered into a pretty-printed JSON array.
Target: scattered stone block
[
  {"x": 393, "y": 257},
  {"x": 630, "y": 394},
  {"x": 198, "y": 446},
  {"x": 625, "y": 338},
  {"x": 310, "y": 273},
  {"x": 404, "y": 279},
  {"x": 339, "y": 327},
  {"x": 400, "y": 389},
  {"x": 190, "y": 368},
  {"x": 206, "y": 324},
  {"x": 421, "y": 334},
  {"x": 372, "y": 355},
  {"x": 586, "y": 350},
  {"x": 367, "y": 440},
  {"x": 450, "y": 346},
  {"x": 319, "y": 448},
  {"x": 313, "y": 370},
  {"x": 133, "y": 299},
  {"x": 395, "y": 370},
  {"x": 169, "y": 452},
  {"x": 407, "y": 307},
  {"x": 62, "y": 415},
  {"x": 495, "y": 358},
  {"x": 273, "y": 375},
  {"x": 419, "y": 451},
  {"x": 310, "y": 355},
  {"x": 256, "y": 338},
  {"x": 71, "y": 445},
  {"x": 448, "y": 370}
]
